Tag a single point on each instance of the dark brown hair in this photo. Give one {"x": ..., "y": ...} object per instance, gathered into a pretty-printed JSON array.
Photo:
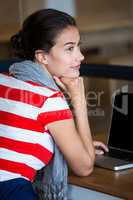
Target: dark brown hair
[{"x": 39, "y": 31}]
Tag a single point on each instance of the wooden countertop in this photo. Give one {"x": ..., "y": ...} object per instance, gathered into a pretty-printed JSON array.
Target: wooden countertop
[{"x": 119, "y": 184}]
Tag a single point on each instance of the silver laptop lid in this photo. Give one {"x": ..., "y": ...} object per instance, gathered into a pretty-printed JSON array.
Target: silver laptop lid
[{"x": 121, "y": 127}]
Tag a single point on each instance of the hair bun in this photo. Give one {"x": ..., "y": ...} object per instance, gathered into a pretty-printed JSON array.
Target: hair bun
[{"x": 17, "y": 44}]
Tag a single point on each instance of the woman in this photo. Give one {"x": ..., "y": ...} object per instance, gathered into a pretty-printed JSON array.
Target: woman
[{"x": 33, "y": 111}]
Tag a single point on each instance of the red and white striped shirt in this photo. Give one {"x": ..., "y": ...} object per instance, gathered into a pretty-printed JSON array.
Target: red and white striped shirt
[{"x": 25, "y": 110}]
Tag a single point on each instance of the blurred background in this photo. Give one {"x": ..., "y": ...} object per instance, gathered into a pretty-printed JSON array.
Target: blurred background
[{"x": 106, "y": 28}]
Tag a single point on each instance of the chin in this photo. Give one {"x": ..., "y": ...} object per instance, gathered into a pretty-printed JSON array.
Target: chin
[{"x": 73, "y": 75}]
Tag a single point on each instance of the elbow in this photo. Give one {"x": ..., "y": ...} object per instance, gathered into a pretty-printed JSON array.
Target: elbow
[
  {"x": 89, "y": 170},
  {"x": 88, "y": 165},
  {"x": 85, "y": 172},
  {"x": 85, "y": 168}
]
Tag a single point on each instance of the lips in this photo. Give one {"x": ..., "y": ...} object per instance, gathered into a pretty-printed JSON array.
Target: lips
[{"x": 77, "y": 67}]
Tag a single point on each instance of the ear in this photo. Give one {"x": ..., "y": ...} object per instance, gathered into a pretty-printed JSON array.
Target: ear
[{"x": 41, "y": 57}]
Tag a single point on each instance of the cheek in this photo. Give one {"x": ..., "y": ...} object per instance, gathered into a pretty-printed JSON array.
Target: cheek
[
  {"x": 58, "y": 69},
  {"x": 61, "y": 66},
  {"x": 70, "y": 73}
]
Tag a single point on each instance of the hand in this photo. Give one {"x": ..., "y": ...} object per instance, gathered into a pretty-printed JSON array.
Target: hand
[
  {"x": 100, "y": 147},
  {"x": 74, "y": 87},
  {"x": 60, "y": 83}
]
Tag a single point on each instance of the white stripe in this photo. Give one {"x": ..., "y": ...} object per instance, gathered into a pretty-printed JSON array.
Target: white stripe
[
  {"x": 18, "y": 84},
  {"x": 19, "y": 108},
  {"x": 18, "y": 134},
  {"x": 54, "y": 104},
  {"x": 6, "y": 175},
  {"x": 21, "y": 158}
]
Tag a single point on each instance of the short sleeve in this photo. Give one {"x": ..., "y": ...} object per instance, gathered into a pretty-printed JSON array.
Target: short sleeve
[{"x": 54, "y": 109}]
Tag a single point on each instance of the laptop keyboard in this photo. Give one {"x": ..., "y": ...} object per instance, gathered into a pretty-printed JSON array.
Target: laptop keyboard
[{"x": 119, "y": 154}]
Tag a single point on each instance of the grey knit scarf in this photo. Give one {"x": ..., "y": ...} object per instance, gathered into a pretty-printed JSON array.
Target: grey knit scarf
[{"x": 51, "y": 182}]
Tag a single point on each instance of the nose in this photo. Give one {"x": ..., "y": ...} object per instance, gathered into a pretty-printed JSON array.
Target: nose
[{"x": 80, "y": 56}]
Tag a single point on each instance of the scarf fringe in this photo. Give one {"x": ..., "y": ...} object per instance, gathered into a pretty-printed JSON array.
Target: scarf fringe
[{"x": 51, "y": 182}]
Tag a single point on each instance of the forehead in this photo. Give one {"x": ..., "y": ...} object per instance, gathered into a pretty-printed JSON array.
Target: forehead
[{"x": 69, "y": 34}]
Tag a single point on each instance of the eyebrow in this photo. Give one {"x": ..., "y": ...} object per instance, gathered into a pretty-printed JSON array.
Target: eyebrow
[{"x": 72, "y": 43}]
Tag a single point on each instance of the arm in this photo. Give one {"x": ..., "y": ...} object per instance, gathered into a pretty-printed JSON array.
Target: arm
[
  {"x": 74, "y": 137},
  {"x": 80, "y": 105},
  {"x": 81, "y": 118}
]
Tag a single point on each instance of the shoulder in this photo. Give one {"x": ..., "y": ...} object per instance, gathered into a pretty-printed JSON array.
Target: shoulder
[
  {"x": 49, "y": 92},
  {"x": 12, "y": 82}
]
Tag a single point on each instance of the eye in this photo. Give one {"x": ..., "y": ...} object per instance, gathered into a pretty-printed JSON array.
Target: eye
[{"x": 70, "y": 48}]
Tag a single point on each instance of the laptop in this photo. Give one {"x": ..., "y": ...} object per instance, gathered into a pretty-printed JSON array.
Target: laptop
[{"x": 120, "y": 136}]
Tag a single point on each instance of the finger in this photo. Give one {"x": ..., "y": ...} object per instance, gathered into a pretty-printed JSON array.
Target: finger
[
  {"x": 59, "y": 83},
  {"x": 100, "y": 145},
  {"x": 99, "y": 152}
]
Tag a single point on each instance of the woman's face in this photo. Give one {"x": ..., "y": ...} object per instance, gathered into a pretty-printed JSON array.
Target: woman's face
[{"x": 64, "y": 58}]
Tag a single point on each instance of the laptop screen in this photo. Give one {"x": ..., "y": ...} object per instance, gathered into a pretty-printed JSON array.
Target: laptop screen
[{"x": 121, "y": 130}]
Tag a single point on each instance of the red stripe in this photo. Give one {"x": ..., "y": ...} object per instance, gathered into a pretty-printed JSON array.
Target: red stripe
[
  {"x": 20, "y": 122},
  {"x": 24, "y": 96},
  {"x": 43, "y": 86},
  {"x": 38, "y": 84},
  {"x": 35, "y": 150},
  {"x": 34, "y": 83},
  {"x": 19, "y": 168},
  {"x": 52, "y": 116},
  {"x": 58, "y": 94}
]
